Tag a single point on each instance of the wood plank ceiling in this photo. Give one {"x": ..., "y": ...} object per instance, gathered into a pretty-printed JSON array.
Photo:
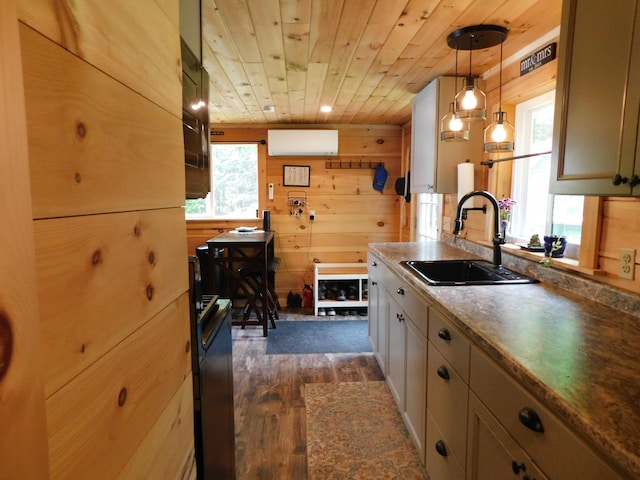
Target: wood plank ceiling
[{"x": 365, "y": 58}]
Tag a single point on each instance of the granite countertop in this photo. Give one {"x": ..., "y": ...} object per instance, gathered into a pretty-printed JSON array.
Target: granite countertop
[{"x": 578, "y": 356}]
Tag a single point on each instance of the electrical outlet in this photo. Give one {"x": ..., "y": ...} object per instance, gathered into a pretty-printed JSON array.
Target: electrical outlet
[
  {"x": 627, "y": 265},
  {"x": 271, "y": 191},
  {"x": 312, "y": 215}
]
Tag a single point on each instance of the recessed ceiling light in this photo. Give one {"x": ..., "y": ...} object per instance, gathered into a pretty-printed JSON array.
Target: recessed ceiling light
[
  {"x": 325, "y": 108},
  {"x": 269, "y": 109}
]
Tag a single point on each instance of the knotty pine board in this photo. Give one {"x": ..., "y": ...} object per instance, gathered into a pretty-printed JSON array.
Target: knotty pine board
[
  {"x": 157, "y": 457},
  {"x": 23, "y": 446},
  {"x": 100, "y": 277},
  {"x": 95, "y": 145},
  {"x": 101, "y": 416},
  {"x": 137, "y": 43}
]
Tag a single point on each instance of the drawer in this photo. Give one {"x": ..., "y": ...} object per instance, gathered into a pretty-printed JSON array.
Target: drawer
[
  {"x": 447, "y": 402},
  {"x": 559, "y": 451},
  {"x": 378, "y": 271},
  {"x": 411, "y": 304},
  {"x": 450, "y": 342},
  {"x": 441, "y": 465}
]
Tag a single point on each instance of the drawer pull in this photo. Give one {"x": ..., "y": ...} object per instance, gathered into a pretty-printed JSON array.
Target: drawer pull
[
  {"x": 443, "y": 372},
  {"x": 518, "y": 467},
  {"x": 530, "y": 419},
  {"x": 400, "y": 291},
  {"x": 441, "y": 448},
  {"x": 444, "y": 334},
  {"x": 374, "y": 264},
  {"x": 373, "y": 283}
]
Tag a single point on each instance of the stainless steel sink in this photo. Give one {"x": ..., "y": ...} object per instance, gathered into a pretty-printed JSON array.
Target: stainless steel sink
[{"x": 464, "y": 272}]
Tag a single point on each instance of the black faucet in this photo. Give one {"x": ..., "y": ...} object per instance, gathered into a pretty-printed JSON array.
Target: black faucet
[{"x": 497, "y": 236}]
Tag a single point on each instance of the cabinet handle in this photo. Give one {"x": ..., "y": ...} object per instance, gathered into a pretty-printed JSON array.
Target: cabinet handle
[
  {"x": 443, "y": 372},
  {"x": 374, "y": 283},
  {"x": 441, "y": 448},
  {"x": 518, "y": 467},
  {"x": 400, "y": 317},
  {"x": 444, "y": 334},
  {"x": 530, "y": 419},
  {"x": 400, "y": 291},
  {"x": 634, "y": 180},
  {"x": 374, "y": 264},
  {"x": 618, "y": 179}
]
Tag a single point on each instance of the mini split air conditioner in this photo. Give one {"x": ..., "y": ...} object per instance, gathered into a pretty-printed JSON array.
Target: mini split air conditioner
[{"x": 302, "y": 142}]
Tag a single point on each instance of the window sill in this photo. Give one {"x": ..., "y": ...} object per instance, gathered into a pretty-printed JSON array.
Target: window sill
[{"x": 569, "y": 264}]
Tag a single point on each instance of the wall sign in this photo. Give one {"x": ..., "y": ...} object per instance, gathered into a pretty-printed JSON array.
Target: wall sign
[
  {"x": 297, "y": 176},
  {"x": 538, "y": 59}
]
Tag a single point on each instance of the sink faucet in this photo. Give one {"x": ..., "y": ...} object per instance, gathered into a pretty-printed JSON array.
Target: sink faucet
[{"x": 497, "y": 236}]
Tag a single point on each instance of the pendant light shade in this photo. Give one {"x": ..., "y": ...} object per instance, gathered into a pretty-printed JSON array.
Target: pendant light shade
[
  {"x": 452, "y": 127},
  {"x": 499, "y": 136},
  {"x": 471, "y": 102}
]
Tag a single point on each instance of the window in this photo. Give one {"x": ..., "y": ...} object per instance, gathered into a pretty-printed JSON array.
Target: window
[
  {"x": 537, "y": 211},
  {"x": 234, "y": 184},
  {"x": 429, "y": 205}
]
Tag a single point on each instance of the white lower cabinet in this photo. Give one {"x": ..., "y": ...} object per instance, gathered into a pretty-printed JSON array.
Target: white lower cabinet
[
  {"x": 398, "y": 319},
  {"x": 515, "y": 416},
  {"x": 407, "y": 368},
  {"x": 469, "y": 419},
  {"x": 396, "y": 367},
  {"x": 492, "y": 453}
]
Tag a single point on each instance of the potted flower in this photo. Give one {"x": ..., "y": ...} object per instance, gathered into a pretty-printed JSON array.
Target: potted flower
[{"x": 505, "y": 204}]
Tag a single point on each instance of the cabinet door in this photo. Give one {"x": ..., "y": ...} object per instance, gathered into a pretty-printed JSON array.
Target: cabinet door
[
  {"x": 396, "y": 354},
  {"x": 416, "y": 385},
  {"x": 372, "y": 310},
  {"x": 595, "y": 98},
  {"x": 492, "y": 453},
  {"x": 423, "y": 140}
]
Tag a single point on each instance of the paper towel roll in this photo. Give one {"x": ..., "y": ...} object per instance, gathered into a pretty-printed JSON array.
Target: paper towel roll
[{"x": 465, "y": 179}]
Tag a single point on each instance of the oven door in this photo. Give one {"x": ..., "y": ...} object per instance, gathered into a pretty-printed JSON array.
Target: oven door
[{"x": 216, "y": 437}]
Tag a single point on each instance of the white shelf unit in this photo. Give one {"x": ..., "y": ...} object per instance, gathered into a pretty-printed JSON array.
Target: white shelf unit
[{"x": 341, "y": 273}]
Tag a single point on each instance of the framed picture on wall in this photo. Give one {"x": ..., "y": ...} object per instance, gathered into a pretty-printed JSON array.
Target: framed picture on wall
[{"x": 297, "y": 176}]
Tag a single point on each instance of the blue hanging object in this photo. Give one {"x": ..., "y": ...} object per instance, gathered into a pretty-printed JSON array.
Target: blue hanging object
[{"x": 379, "y": 178}]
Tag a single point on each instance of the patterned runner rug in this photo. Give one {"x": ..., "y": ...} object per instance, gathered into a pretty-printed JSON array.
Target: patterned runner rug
[{"x": 355, "y": 431}]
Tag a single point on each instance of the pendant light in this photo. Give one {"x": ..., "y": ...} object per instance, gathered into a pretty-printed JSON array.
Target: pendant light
[
  {"x": 452, "y": 127},
  {"x": 471, "y": 101},
  {"x": 499, "y": 135}
]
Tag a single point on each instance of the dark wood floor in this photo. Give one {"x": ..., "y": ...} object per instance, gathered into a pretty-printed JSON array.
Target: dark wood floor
[{"x": 269, "y": 403}]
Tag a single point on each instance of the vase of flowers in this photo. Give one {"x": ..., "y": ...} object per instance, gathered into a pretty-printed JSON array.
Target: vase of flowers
[{"x": 506, "y": 205}]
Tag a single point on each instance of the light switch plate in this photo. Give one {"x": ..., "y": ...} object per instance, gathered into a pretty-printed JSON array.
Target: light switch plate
[
  {"x": 627, "y": 266},
  {"x": 271, "y": 191}
]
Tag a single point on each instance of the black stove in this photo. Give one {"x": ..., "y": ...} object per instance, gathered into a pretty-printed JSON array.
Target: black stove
[{"x": 212, "y": 370}]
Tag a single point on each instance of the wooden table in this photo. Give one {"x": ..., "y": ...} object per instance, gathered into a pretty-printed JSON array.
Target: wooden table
[{"x": 239, "y": 249}]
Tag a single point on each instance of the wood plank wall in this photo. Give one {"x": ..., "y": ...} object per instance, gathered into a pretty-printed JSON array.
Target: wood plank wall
[
  {"x": 23, "y": 440},
  {"x": 103, "y": 108},
  {"x": 350, "y": 214}
]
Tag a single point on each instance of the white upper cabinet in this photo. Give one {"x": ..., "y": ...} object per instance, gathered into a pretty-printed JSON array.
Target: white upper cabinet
[
  {"x": 434, "y": 162},
  {"x": 598, "y": 100}
]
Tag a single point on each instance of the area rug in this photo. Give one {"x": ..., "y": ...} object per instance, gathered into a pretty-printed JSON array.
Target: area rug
[
  {"x": 331, "y": 336},
  {"x": 355, "y": 431}
]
